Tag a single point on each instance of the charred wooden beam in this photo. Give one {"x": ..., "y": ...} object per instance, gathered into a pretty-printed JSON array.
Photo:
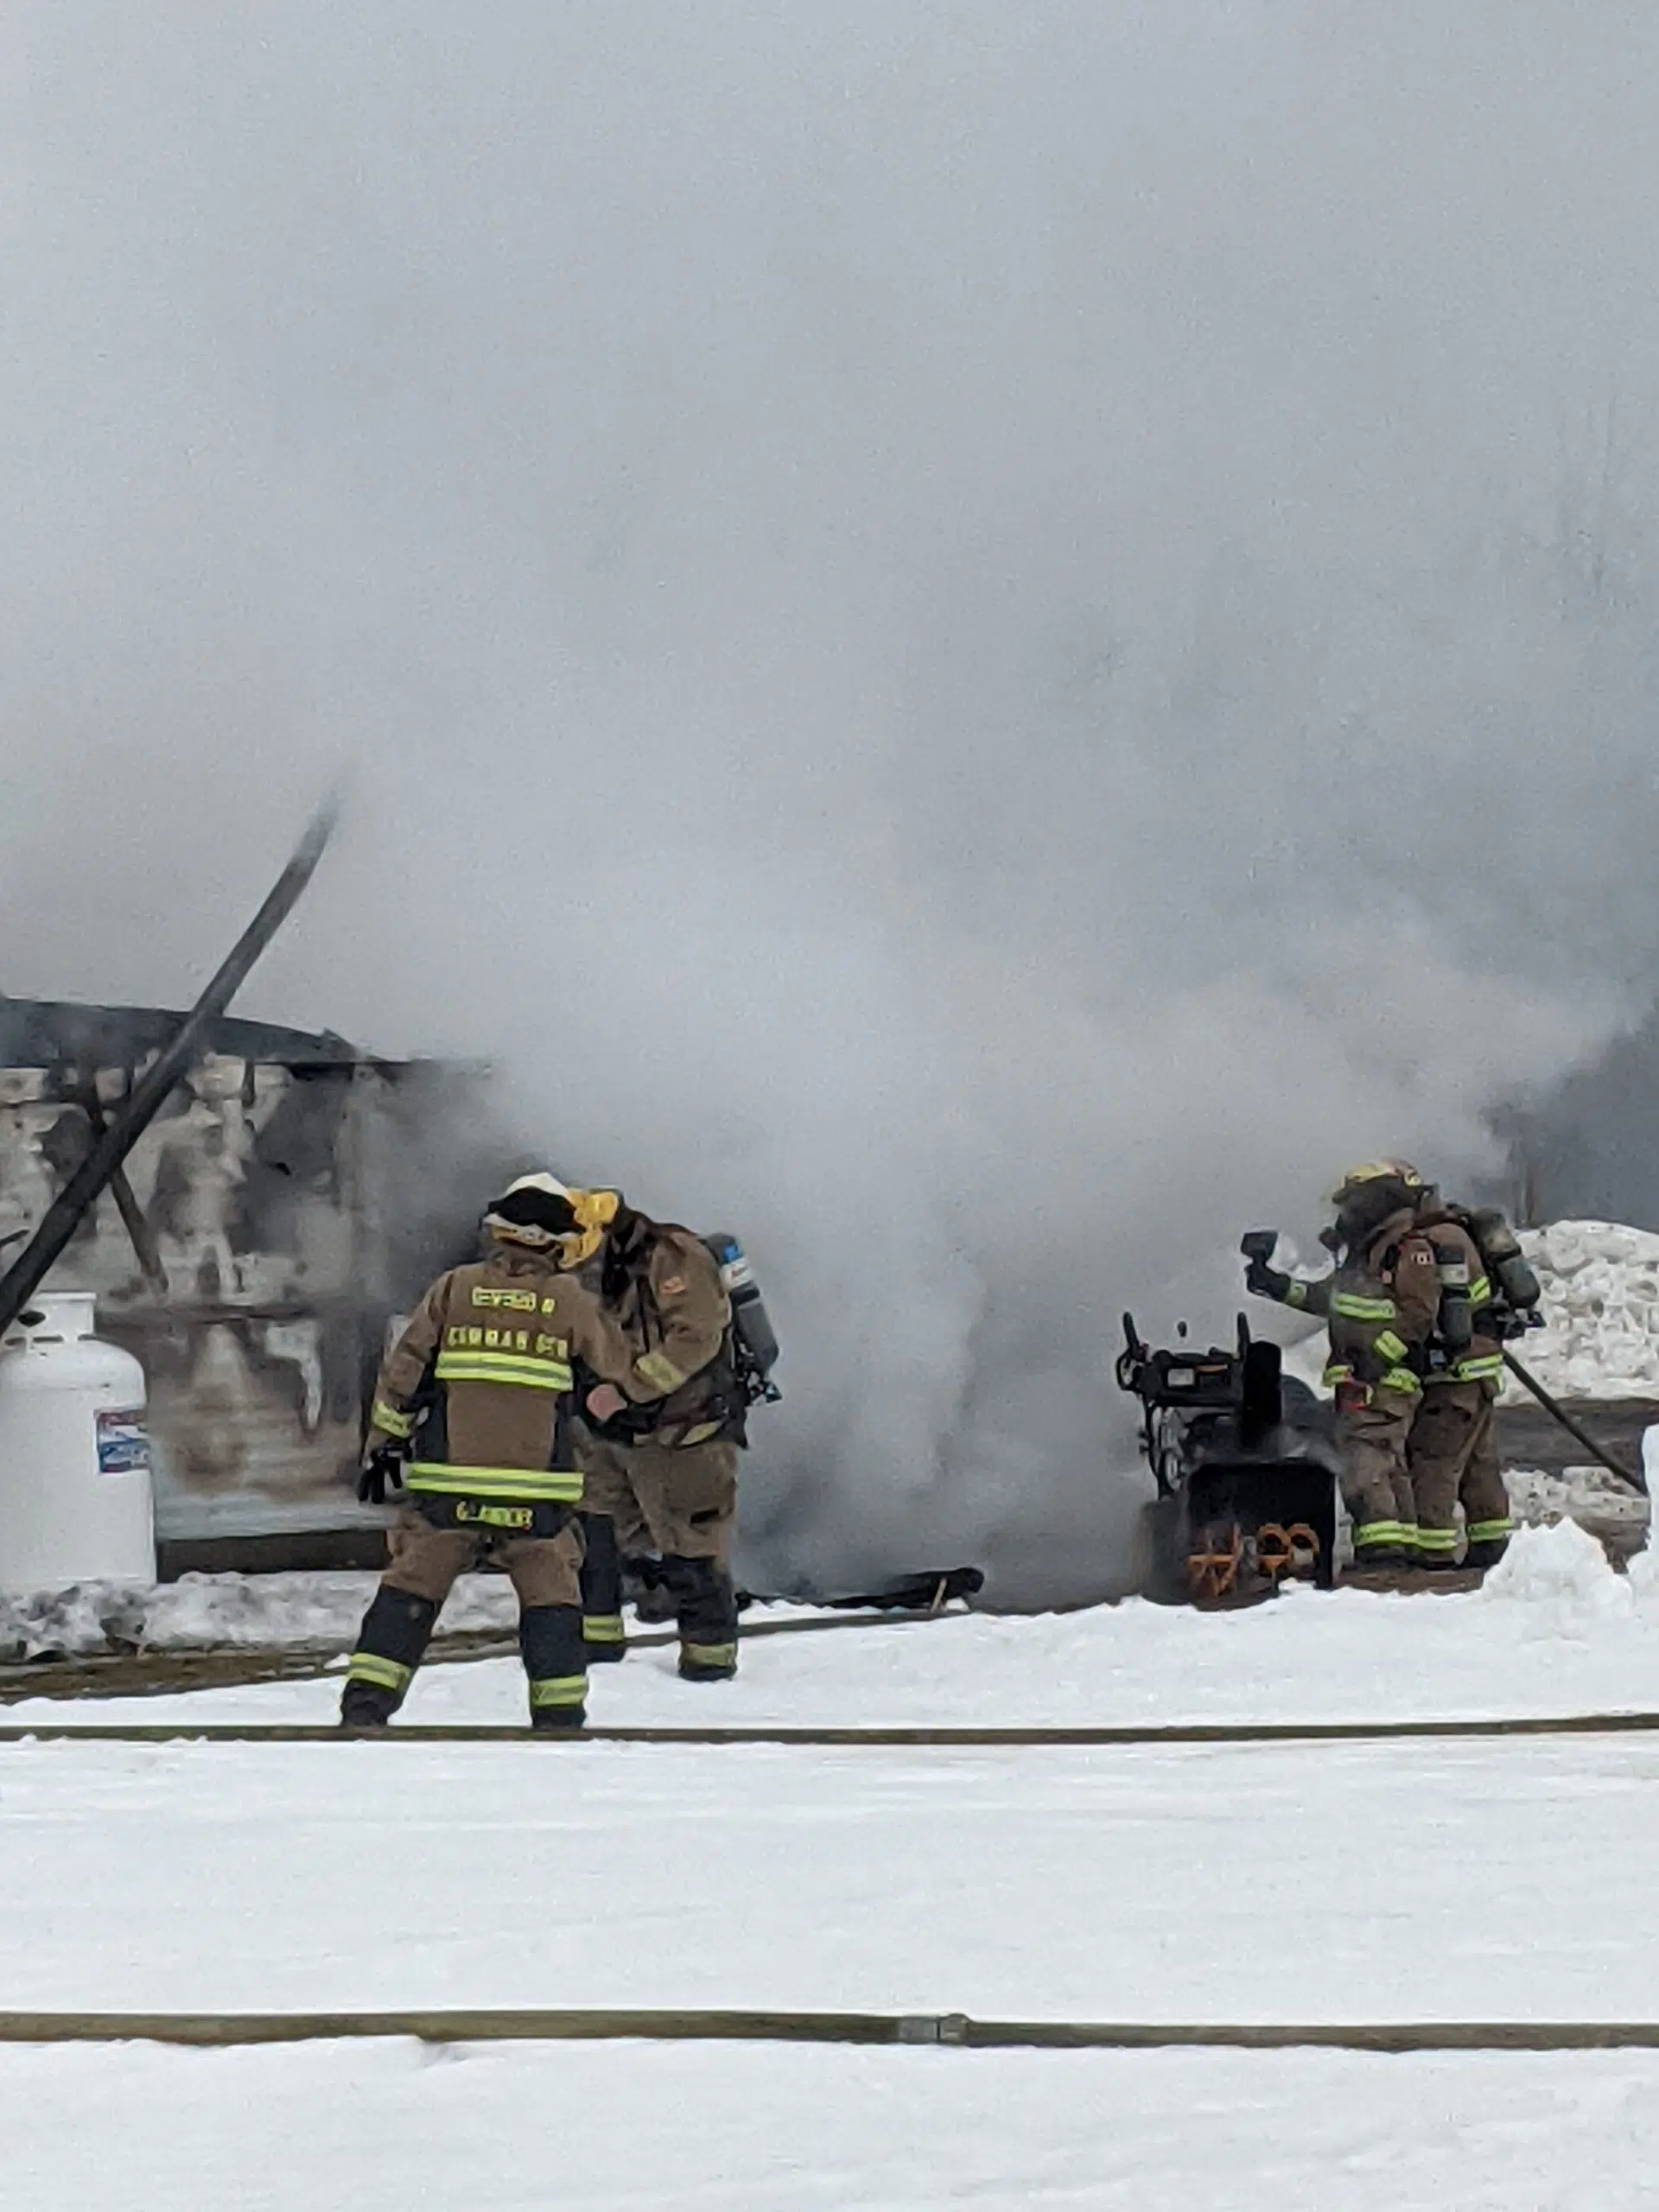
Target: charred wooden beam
[{"x": 108, "y": 1152}]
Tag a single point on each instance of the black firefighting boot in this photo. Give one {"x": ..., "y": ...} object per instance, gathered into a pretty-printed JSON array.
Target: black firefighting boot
[
  {"x": 707, "y": 1610},
  {"x": 602, "y": 1633},
  {"x": 555, "y": 1661},
  {"x": 362, "y": 1708},
  {"x": 656, "y": 1603},
  {"x": 390, "y": 1645},
  {"x": 1371, "y": 1557}
]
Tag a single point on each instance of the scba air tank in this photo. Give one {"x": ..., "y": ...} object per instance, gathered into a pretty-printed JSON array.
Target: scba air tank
[
  {"x": 757, "y": 1343},
  {"x": 76, "y": 1503}
]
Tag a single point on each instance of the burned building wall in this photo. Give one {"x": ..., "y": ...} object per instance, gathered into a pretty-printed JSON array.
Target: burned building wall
[{"x": 289, "y": 1200}]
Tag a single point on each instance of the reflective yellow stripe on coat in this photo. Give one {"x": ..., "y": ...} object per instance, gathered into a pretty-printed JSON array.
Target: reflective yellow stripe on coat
[
  {"x": 443, "y": 1480},
  {"x": 1477, "y": 1366},
  {"x": 473, "y": 1366},
  {"x": 1484, "y": 1367},
  {"x": 1400, "y": 1379}
]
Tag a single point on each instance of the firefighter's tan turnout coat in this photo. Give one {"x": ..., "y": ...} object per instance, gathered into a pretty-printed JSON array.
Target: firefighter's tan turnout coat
[
  {"x": 1414, "y": 1425},
  {"x": 493, "y": 1343}
]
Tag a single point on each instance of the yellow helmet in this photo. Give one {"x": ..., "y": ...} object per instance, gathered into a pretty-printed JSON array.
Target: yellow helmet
[
  {"x": 1376, "y": 1171},
  {"x": 594, "y": 1210}
]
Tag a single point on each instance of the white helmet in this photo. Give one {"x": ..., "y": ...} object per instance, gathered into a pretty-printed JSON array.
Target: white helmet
[{"x": 536, "y": 1211}]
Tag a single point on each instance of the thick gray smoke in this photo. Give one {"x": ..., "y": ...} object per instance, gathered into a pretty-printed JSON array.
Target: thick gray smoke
[{"x": 974, "y": 640}]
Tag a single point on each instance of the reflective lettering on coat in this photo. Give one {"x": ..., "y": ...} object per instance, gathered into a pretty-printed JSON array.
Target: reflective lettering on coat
[
  {"x": 495, "y": 1516},
  {"x": 517, "y": 1301}
]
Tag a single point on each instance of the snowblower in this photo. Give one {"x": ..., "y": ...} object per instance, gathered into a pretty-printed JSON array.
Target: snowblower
[{"x": 1245, "y": 1470}]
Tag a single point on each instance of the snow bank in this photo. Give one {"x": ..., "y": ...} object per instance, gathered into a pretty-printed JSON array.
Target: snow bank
[
  {"x": 247, "y": 1612},
  {"x": 1560, "y": 1576},
  {"x": 1601, "y": 1308},
  {"x": 263, "y": 1612},
  {"x": 1599, "y": 1502}
]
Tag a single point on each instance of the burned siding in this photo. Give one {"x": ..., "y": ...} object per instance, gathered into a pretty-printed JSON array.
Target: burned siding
[{"x": 288, "y": 1199}]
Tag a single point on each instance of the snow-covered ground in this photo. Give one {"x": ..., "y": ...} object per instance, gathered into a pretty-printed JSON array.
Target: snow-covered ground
[
  {"x": 1410, "y": 1880},
  {"x": 387, "y": 2127},
  {"x": 1553, "y": 1629},
  {"x": 215, "y": 1612},
  {"x": 1404, "y": 1880},
  {"x": 1619, "y": 1517},
  {"x": 238, "y": 1612}
]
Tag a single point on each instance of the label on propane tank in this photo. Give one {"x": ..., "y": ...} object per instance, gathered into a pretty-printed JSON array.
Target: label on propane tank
[{"x": 123, "y": 1446}]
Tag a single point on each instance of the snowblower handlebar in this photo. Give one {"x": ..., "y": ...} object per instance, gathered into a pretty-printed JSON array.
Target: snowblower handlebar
[{"x": 1182, "y": 1379}]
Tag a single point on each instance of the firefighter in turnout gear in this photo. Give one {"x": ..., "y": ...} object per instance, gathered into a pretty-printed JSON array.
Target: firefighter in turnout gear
[
  {"x": 1382, "y": 1305},
  {"x": 1433, "y": 1399},
  {"x": 1453, "y": 1448},
  {"x": 664, "y": 1464},
  {"x": 472, "y": 1421}
]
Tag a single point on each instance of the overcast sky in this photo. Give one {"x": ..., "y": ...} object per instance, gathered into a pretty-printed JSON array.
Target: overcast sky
[{"x": 976, "y": 640}]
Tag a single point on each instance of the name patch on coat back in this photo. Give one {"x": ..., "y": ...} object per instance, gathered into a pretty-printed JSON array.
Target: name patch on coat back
[
  {"x": 460, "y": 1337},
  {"x": 521, "y": 1517},
  {"x": 517, "y": 1301}
]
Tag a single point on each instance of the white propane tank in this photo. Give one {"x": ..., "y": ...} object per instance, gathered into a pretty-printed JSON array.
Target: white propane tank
[{"x": 75, "y": 1496}]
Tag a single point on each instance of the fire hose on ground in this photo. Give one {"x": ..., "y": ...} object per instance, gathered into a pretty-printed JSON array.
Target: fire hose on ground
[
  {"x": 1151, "y": 1736},
  {"x": 1553, "y": 1405},
  {"x": 959, "y": 2030}
]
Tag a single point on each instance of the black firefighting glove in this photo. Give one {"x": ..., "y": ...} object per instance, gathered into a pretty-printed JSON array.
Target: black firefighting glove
[
  {"x": 1265, "y": 1281},
  {"x": 1261, "y": 1277},
  {"x": 630, "y": 1425},
  {"x": 384, "y": 1466}
]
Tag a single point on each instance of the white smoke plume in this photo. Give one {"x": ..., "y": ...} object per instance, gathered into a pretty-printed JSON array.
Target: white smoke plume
[{"x": 973, "y": 641}]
